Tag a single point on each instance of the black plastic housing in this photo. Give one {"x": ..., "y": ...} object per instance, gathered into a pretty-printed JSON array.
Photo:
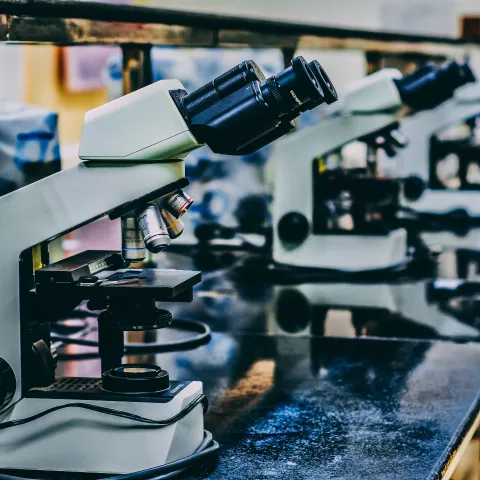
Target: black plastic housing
[
  {"x": 429, "y": 86},
  {"x": 240, "y": 111}
]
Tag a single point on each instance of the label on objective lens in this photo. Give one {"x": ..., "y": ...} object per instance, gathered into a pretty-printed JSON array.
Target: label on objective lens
[
  {"x": 133, "y": 248},
  {"x": 178, "y": 203}
]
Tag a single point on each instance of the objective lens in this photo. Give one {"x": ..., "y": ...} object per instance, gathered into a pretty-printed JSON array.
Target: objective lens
[
  {"x": 175, "y": 226},
  {"x": 133, "y": 247},
  {"x": 153, "y": 228},
  {"x": 178, "y": 203}
]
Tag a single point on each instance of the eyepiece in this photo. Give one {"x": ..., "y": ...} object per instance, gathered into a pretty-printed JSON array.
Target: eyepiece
[
  {"x": 430, "y": 85},
  {"x": 241, "y": 111},
  {"x": 295, "y": 90},
  {"x": 298, "y": 83},
  {"x": 329, "y": 93}
]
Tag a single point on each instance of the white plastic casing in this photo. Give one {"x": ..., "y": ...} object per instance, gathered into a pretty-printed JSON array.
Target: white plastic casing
[
  {"x": 292, "y": 158},
  {"x": 375, "y": 93},
  {"x": 143, "y": 125},
  {"x": 92, "y": 442}
]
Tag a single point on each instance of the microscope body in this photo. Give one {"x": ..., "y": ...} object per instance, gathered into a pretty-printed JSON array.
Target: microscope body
[
  {"x": 33, "y": 216},
  {"x": 370, "y": 106}
]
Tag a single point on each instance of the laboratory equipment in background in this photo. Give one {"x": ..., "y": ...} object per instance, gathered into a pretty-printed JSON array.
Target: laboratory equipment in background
[
  {"x": 133, "y": 168},
  {"x": 29, "y": 144},
  {"x": 441, "y": 170},
  {"x": 309, "y": 225},
  {"x": 415, "y": 308}
]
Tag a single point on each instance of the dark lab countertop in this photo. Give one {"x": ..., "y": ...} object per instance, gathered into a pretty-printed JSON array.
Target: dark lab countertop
[{"x": 302, "y": 403}]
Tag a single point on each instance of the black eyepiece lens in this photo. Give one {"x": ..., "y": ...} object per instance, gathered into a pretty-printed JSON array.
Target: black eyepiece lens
[
  {"x": 457, "y": 74},
  {"x": 241, "y": 111},
  {"x": 430, "y": 86},
  {"x": 329, "y": 93}
]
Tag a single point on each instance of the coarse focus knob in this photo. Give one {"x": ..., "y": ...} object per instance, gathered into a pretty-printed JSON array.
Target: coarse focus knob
[
  {"x": 7, "y": 383},
  {"x": 293, "y": 228}
]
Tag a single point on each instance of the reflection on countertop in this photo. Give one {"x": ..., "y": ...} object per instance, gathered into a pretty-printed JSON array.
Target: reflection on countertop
[{"x": 323, "y": 381}]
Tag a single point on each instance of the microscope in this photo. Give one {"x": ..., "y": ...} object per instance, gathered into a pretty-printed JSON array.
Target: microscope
[
  {"x": 448, "y": 207},
  {"x": 308, "y": 230},
  {"x": 133, "y": 417}
]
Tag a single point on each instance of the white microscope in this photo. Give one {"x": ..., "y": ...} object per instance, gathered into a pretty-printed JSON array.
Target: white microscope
[
  {"x": 372, "y": 108},
  {"x": 437, "y": 200},
  {"x": 132, "y": 418}
]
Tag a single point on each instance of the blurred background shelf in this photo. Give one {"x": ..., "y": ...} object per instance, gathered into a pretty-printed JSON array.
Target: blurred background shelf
[{"x": 76, "y": 22}]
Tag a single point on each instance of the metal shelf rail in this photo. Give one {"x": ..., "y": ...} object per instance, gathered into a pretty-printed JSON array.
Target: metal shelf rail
[
  {"x": 73, "y": 22},
  {"x": 137, "y": 28}
]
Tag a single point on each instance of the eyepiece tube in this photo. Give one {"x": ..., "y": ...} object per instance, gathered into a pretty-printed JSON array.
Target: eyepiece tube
[{"x": 222, "y": 86}]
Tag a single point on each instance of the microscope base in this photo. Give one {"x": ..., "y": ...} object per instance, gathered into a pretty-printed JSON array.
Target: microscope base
[
  {"x": 84, "y": 441},
  {"x": 346, "y": 252}
]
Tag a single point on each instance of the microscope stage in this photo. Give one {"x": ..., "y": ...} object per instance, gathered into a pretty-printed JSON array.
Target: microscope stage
[
  {"x": 96, "y": 274},
  {"x": 147, "y": 282}
]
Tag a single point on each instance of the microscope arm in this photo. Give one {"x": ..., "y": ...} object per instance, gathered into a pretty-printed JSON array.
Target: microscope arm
[
  {"x": 419, "y": 128},
  {"x": 292, "y": 158}
]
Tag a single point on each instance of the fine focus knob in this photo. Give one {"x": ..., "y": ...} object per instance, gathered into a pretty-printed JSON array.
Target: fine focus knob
[
  {"x": 136, "y": 378},
  {"x": 293, "y": 228},
  {"x": 7, "y": 383}
]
